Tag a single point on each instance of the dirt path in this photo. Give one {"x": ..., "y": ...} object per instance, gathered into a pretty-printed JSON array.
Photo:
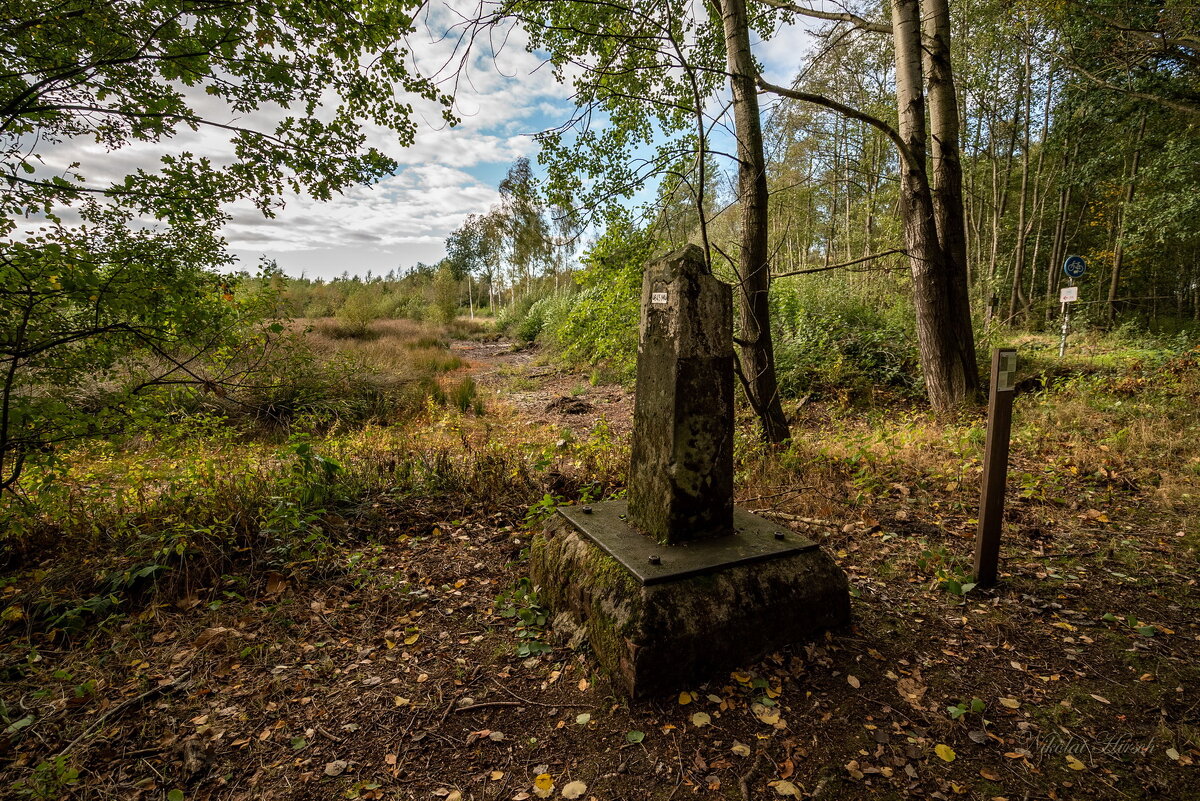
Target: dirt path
[{"x": 518, "y": 377}]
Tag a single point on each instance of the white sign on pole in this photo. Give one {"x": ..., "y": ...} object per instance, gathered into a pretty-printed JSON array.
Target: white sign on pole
[
  {"x": 1068, "y": 294},
  {"x": 1006, "y": 371}
]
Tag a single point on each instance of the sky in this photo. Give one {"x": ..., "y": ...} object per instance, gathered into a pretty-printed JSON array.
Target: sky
[{"x": 502, "y": 99}]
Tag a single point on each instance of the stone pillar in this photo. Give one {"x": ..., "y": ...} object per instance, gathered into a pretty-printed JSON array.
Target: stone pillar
[
  {"x": 681, "y": 476},
  {"x": 674, "y": 585}
]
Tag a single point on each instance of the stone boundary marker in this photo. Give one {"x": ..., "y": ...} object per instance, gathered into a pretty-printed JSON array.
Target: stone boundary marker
[{"x": 675, "y": 585}]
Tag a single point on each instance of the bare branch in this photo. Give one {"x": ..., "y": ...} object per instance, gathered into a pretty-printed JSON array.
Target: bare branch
[
  {"x": 826, "y": 268},
  {"x": 846, "y": 111},
  {"x": 833, "y": 16}
]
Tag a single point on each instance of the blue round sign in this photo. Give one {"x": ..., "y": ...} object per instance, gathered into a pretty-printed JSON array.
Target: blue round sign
[{"x": 1075, "y": 266}]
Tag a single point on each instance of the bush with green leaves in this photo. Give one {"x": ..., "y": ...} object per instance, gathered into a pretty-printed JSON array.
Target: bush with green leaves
[
  {"x": 599, "y": 323},
  {"x": 832, "y": 339},
  {"x": 359, "y": 310}
]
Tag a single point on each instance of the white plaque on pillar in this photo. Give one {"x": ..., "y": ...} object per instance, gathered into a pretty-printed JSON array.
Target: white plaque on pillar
[
  {"x": 1068, "y": 294},
  {"x": 658, "y": 298}
]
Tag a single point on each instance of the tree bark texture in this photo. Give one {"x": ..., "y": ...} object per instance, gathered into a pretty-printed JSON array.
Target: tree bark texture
[
  {"x": 938, "y": 333},
  {"x": 947, "y": 187},
  {"x": 1119, "y": 247},
  {"x": 757, "y": 353}
]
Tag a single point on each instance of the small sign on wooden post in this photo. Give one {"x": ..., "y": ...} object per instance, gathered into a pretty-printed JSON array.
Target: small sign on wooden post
[{"x": 995, "y": 466}]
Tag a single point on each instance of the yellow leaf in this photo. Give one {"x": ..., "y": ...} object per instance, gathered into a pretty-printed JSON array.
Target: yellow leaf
[
  {"x": 701, "y": 719},
  {"x": 740, "y": 749},
  {"x": 1011, "y": 703},
  {"x": 574, "y": 790},
  {"x": 1075, "y": 764},
  {"x": 740, "y": 677},
  {"x": 412, "y": 638},
  {"x": 945, "y": 752},
  {"x": 543, "y": 785},
  {"x": 767, "y": 715},
  {"x": 786, "y": 789},
  {"x": 685, "y": 698}
]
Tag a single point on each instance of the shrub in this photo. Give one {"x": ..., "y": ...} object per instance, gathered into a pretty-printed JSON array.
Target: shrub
[
  {"x": 358, "y": 312},
  {"x": 832, "y": 339},
  {"x": 599, "y": 323}
]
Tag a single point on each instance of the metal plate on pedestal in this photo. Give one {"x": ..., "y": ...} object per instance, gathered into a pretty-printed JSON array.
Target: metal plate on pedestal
[{"x": 753, "y": 540}]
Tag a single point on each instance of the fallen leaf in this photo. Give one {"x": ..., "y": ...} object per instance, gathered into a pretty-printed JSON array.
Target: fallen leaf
[
  {"x": 1101, "y": 698},
  {"x": 574, "y": 789},
  {"x": 583, "y": 719},
  {"x": 701, "y": 719},
  {"x": 945, "y": 752},
  {"x": 740, "y": 749},
  {"x": 1011, "y": 703},
  {"x": 337, "y": 767},
  {"x": 635, "y": 736},
  {"x": 1075, "y": 764},
  {"x": 543, "y": 785},
  {"x": 911, "y": 690},
  {"x": 685, "y": 699},
  {"x": 276, "y": 583},
  {"x": 987, "y": 774},
  {"x": 853, "y": 682},
  {"x": 786, "y": 789},
  {"x": 1173, "y": 754},
  {"x": 768, "y": 715},
  {"x": 496, "y": 775}
]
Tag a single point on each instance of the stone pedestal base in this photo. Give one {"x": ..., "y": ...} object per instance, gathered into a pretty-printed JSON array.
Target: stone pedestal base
[{"x": 659, "y": 631}]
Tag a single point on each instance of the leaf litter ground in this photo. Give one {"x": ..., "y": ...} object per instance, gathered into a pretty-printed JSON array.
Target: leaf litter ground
[{"x": 1077, "y": 677}]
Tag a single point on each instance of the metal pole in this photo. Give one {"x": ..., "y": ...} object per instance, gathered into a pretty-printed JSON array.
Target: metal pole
[
  {"x": 1066, "y": 320},
  {"x": 995, "y": 466},
  {"x": 1066, "y": 324}
]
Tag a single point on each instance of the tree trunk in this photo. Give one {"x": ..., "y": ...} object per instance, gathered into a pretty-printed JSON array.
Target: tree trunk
[
  {"x": 941, "y": 360},
  {"x": 1119, "y": 247},
  {"x": 757, "y": 353},
  {"x": 1016, "y": 291},
  {"x": 948, "y": 185}
]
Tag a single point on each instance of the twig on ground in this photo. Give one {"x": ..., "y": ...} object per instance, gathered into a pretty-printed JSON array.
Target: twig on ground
[
  {"x": 539, "y": 703},
  {"x": 125, "y": 706},
  {"x": 484, "y": 704},
  {"x": 745, "y": 779}
]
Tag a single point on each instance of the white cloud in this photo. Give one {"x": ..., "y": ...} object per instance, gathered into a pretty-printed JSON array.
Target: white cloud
[{"x": 501, "y": 97}]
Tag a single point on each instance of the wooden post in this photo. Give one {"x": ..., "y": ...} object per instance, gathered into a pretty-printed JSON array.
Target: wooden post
[{"x": 995, "y": 466}]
